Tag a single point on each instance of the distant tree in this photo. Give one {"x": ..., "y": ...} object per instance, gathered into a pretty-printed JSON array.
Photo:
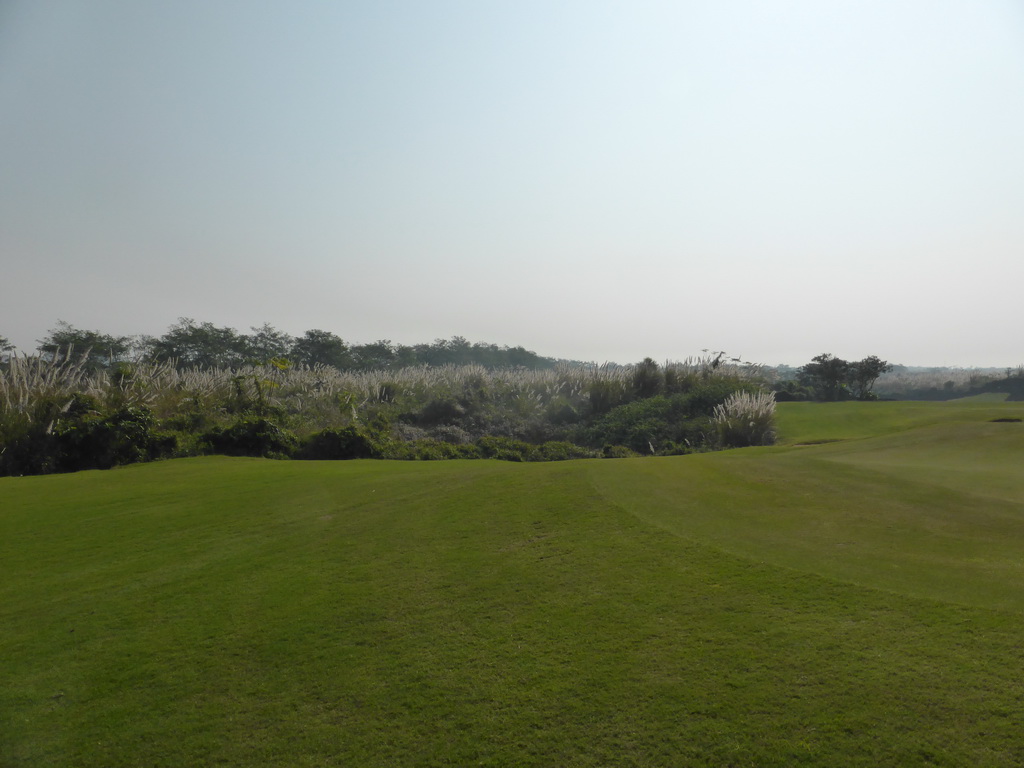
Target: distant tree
[
  {"x": 520, "y": 357},
  {"x": 827, "y": 375},
  {"x": 202, "y": 345},
  {"x": 103, "y": 349},
  {"x": 379, "y": 354},
  {"x": 266, "y": 343},
  {"x": 406, "y": 356},
  {"x": 863, "y": 374},
  {"x": 316, "y": 347}
]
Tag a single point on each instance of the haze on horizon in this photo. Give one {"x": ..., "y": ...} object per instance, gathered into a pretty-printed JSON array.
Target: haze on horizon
[{"x": 590, "y": 180}]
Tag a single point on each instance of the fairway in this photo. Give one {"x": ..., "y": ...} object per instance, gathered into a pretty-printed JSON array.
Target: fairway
[{"x": 853, "y": 596}]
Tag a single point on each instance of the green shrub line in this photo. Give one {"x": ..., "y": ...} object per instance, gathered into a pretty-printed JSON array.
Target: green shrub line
[{"x": 62, "y": 414}]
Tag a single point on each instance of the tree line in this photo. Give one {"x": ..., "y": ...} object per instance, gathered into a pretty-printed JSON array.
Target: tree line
[{"x": 192, "y": 344}]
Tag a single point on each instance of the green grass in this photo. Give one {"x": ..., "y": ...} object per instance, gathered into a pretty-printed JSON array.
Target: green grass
[
  {"x": 816, "y": 422},
  {"x": 851, "y": 603}
]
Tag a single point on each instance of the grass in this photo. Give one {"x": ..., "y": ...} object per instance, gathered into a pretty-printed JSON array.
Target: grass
[
  {"x": 817, "y": 422},
  {"x": 850, "y": 603}
]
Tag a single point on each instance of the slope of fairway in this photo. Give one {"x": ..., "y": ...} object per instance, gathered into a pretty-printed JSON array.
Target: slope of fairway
[
  {"x": 933, "y": 508},
  {"x": 801, "y": 423},
  {"x": 722, "y": 609}
]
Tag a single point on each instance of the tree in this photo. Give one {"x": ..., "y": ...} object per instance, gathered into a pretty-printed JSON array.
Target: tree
[
  {"x": 266, "y": 343},
  {"x": 200, "y": 344},
  {"x": 368, "y": 357},
  {"x": 863, "y": 374},
  {"x": 318, "y": 347},
  {"x": 828, "y": 375},
  {"x": 102, "y": 349}
]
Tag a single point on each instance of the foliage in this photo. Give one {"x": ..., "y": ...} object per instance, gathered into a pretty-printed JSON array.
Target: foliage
[
  {"x": 647, "y": 380},
  {"x": 506, "y": 449},
  {"x": 827, "y": 374},
  {"x": 663, "y": 423},
  {"x": 905, "y": 383},
  {"x": 428, "y": 449},
  {"x": 321, "y": 348},
  {"x": 100, "y": 349},
  {"x": 257, "y": 409},
  {"x": 345, "y": 443},
  {"x": 88, "y": 438},
  {"x": 201, "y": 345},
  {"x": 746, "y": 418},
  {"x": 251, "y": 436},
  {"x": 266, "y": 343},
  {"x": 833, "y": 378},
  {"x": 863, "y": 375}
]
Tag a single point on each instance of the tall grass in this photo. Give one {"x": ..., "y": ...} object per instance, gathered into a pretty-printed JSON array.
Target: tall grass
[
  {"x": 746, "y": 418},
  {"x": 448, "y": 403}
]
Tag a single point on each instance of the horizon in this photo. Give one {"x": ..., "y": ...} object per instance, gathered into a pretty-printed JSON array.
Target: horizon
[{"x": 20, "y": 350}]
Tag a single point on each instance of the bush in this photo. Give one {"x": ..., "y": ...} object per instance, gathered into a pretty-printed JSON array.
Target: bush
[
  {"x": 560, "y": 450},
  {"x": 505, "y": 448},
  {"x": 440, "y": 410},
  {"x": 251, "y": 436},
  {"x": 431, "y": 450},
  {"x": 71, "y": 434},
  {"x": 91, "y": 440},
  {"x": 27, "y": 443},
  {"x": 618, "y": 452},
  {"x": 746, "y": 418},
  {"x": 345, "y": 443}
]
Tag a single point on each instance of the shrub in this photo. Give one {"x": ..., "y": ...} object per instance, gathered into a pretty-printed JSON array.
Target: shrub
[
  {"x": 345, "y": 443},
  {"x": 87, "y": 439},
  {"x": 645, "y": 426},
  {"x": 746, "y": 418},
  {"x": 27, "y": 443},
  {"x": 448, "y": 433},
  {"x": 646, "y": 379},
  {"x": 505, "y": 448},
  {"x": 251, "y": 436},
  {"x": 431, "y": 450},
  {"x": 618, "y": 452},
  {"x": 440, "y": 410},
  {"x": 560, "y": 450}
]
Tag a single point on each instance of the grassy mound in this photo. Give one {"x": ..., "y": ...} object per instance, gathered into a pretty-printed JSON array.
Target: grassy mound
[{"x": 850, "y": 603}]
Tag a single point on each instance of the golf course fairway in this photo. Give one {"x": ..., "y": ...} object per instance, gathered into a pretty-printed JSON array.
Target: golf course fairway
[{"x": 852, "y": 596}]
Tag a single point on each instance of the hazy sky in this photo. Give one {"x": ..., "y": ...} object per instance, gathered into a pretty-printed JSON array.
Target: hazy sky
[{"x": 591, "y": 180}]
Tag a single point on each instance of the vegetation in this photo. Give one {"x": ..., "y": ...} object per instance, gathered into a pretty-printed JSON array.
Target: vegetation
[
  {"x": 858, "y": 602},
  {"x": 950, "y": 383},
  {"x": 191, "y": 344},
  {"x": 831, "y": 378},
  {"x": 745, "y": 419},
  {"x": 57, "y": 412}
]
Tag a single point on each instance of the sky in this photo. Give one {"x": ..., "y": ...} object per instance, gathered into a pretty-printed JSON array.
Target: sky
[{"x": 591, "y": 180}]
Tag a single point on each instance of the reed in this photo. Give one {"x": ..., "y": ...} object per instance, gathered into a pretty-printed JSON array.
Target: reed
[{"x": 746, "y": 418}]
